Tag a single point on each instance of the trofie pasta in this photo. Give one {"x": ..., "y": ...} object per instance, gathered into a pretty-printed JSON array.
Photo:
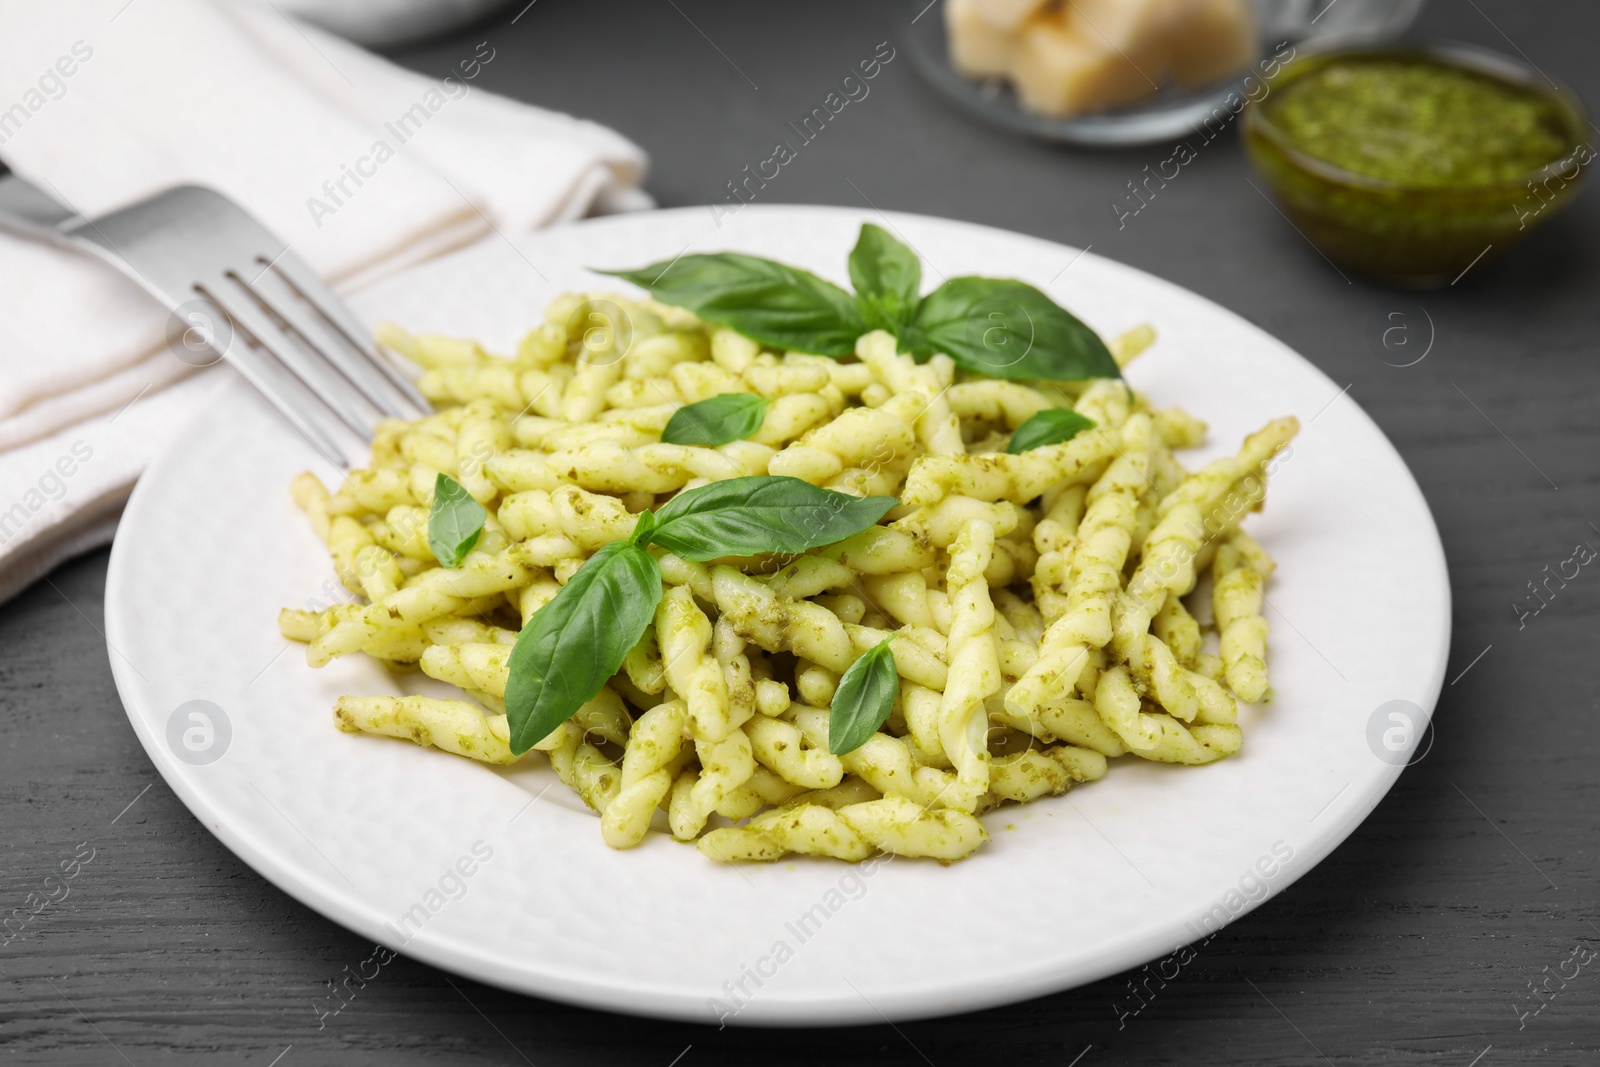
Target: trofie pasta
[{"x": 1047, "y": 611}]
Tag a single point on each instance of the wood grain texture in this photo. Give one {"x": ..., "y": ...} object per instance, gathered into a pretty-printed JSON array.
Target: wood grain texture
[{"x": 1414, "y": 943}]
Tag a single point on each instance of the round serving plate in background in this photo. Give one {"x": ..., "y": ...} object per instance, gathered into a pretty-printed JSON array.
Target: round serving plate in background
[{"x": 1170, "y": 112}]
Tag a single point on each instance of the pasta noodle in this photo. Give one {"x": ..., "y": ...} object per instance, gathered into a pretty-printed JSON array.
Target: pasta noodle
[{"x": 1041, "y": 607}]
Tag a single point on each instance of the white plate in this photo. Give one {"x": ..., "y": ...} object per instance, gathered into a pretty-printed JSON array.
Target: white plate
[{"x": 1117, "y": 873}]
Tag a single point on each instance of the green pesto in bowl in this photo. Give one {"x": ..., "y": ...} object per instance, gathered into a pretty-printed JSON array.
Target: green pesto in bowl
[{"x": 1412, "y": 164}]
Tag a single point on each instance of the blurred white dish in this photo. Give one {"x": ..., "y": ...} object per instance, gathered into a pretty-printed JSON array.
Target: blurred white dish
[{"x": 381, "y": 23}]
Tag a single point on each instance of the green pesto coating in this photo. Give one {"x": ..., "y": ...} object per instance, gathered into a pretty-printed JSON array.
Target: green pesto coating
[{"x": 1418, "y": 122}]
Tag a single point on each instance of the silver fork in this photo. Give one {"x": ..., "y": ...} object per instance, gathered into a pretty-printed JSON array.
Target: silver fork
[{"x": 254, "y": 302}]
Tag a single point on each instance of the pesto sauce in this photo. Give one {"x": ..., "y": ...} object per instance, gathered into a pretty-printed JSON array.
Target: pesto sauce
[{"x": 1419, "y": 122}]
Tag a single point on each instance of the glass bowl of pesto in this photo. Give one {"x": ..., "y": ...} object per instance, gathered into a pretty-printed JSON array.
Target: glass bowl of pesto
[{"x": 1412, "y": 164}]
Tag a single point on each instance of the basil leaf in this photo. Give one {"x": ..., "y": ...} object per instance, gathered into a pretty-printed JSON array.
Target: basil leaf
[
  {"x": 454, "y": 523},
  {"x": 1049, "y": 427},
  {"x": 763, "y": 513},
  {"x": 778, "y": 305},
  {"x": 1007, "y": 329},
  {"x": 644, "y": 528},
  {"x": 716, "y": 421},
  {"x": 578, "y": 640},
  {"x": 864, "y": 699},
  {"x": 888, "y": 279}
]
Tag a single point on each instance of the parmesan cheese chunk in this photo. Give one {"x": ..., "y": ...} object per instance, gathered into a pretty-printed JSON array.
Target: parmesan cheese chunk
[
  {"x": 1072, "y": 57},
  {"x": 978, "y": 48},
  {"x": 1063, "y": 66},
  {"x": 1008, "y": 16}
]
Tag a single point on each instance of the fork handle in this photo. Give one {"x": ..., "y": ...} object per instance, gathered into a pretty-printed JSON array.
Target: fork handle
[{"x": 27, "y": 210}]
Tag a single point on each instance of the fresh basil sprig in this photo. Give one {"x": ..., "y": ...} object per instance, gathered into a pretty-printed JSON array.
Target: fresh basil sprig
[
  {"x": 1008, "y": 329},
  {"x": 454, "y": 523},
  {"x": 1049, "y": 427},
  {"x": 578, "y": 640},
  {"x": 573, "y": 644},
  {"x": 716, "y": 421},
  {"x": 764, "y": 513},
  {"x": 992, "y": 326},
  {"x": 864, "y": 698},
  {"x": 888, "y": 279},
  {"x": 778, "y": 305}
]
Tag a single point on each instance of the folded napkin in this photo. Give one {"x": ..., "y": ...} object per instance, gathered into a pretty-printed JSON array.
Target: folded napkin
[{"x": 362, "y": 167}]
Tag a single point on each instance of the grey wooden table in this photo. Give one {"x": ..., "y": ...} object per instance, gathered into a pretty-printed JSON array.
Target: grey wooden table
[{"x": 1417, "y": 941}]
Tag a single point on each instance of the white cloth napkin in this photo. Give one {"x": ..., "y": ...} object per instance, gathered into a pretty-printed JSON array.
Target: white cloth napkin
[{"x": 362, "y": 167}]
